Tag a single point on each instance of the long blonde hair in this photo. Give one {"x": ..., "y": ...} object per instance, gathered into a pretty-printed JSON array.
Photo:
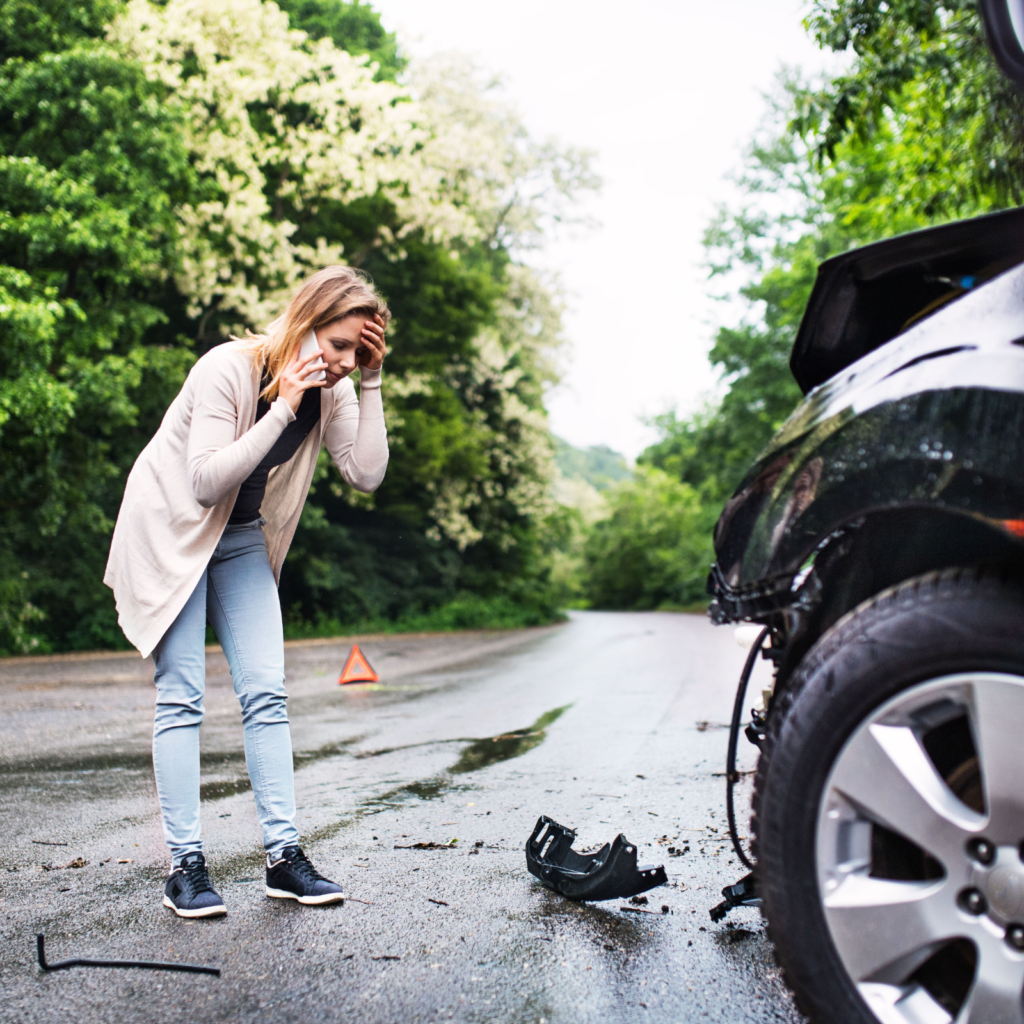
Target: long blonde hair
[{"x": 328, "y": 295}]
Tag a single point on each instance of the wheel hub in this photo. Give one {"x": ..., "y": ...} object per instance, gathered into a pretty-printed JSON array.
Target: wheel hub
[{"x": 1004, "y": 888}]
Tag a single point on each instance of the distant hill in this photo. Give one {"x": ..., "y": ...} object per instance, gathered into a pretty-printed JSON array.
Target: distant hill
[{"x": 598, "y": 465}]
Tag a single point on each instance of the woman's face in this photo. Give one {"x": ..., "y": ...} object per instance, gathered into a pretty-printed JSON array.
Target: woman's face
[{"x": 342, "y": 347}]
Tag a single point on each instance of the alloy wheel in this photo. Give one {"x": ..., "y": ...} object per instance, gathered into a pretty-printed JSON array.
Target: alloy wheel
[{"x": 920, "y": 853}]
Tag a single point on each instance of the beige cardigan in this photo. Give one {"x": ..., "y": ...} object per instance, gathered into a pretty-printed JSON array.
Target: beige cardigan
[{"x": 183, "y": 485}]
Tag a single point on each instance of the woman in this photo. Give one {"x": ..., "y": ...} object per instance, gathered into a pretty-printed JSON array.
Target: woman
[{"x": 209, "y": 511}]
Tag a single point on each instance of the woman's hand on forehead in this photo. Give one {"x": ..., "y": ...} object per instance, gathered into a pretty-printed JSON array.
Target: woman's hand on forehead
[{"x": 374, "y": 345}]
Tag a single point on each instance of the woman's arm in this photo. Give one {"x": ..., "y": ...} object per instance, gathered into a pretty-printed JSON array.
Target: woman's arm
[
  {"x": 217, "y": 463},
  {"x": 356, "y": 436}
]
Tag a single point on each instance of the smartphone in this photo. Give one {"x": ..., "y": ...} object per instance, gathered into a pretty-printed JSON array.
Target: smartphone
[{"x": 308, "y": 347}]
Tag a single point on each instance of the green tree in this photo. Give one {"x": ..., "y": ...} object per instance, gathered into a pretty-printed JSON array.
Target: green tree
[
  {"x": 132, "y": 239},
  {"x": 923, "y": 77},
  {"x": 351, "y": 25},
  {"x": 919, "y": 129},
  {"x": 653, "y": 549},
  {"x": 91, "y": 165}
]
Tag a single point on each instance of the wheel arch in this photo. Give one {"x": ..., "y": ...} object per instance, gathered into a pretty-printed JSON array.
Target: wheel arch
[{"x": 885, "y": 548}]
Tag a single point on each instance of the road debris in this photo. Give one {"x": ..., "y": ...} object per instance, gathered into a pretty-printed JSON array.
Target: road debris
[
  {"x": 385, "y": 958},
  {"x": 144, "y": 964},
  {"x": 611, "y": 873},
  {"x": 47, "y": 842},
  {"x": 78, "y": 862},
  {"x": 440, "y": 903},
  {"x": 450, "y": 845},
  {"x": 742, "y": 894}
]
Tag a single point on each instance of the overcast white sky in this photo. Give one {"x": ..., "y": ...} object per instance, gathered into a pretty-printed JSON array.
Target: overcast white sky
[{"x": 667, "y": 92}]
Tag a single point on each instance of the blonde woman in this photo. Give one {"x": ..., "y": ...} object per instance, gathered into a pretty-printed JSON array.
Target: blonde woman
[{"x": 209, "y": 510}]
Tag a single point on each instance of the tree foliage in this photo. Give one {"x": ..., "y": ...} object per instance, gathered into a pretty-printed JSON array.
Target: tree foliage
[
  {"x": 920, "y": 128},
  {"x": 352, "y": 26},
  {"x": 91, "y": 166},
  {"x": 170, "y": 171},
  {"x": 653, "y": 548},
  {"x": 922, "y": 74}
]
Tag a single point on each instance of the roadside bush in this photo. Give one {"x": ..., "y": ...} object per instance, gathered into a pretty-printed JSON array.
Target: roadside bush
[{"x": 654, "y": 549}]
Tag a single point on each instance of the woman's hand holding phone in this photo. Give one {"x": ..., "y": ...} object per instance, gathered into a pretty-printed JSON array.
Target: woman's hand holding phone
[{"x": 296, "y": 378}]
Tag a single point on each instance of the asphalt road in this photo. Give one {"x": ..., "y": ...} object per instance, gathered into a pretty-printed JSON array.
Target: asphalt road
[{"x": 612, "y": 722}]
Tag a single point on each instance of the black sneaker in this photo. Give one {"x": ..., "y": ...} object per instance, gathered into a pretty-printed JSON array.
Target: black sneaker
[
  {"x": 293, "y": 877},
  {"x": 188, "y": 891}
]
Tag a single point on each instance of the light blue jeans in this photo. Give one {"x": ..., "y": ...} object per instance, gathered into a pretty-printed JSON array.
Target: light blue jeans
[{"x": 238, "y": 595}]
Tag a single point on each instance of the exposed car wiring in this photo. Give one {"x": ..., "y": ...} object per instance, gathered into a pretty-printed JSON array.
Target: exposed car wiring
[{"x": 730, "y": 757}]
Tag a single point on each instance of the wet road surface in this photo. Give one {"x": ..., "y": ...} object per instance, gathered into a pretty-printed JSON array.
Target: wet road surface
[{"x": 612, "y": 722}]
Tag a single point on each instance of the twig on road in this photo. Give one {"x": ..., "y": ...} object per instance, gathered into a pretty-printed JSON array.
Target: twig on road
[
  {"x": 144, "y": 964},
  {"x": 430, "y": 846}
]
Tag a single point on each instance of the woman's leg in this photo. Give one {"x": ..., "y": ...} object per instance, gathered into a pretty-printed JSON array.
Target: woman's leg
[
  {"x": 245, "y": 611},
  {"x": 180, "y": 682}
]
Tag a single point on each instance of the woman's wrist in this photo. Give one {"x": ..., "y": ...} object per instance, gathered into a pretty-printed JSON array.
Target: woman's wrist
[
  {"x": 369, "y": 378},
  {"x": 283, "y": 409}
]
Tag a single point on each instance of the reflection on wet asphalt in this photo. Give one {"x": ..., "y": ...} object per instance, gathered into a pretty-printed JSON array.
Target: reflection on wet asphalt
[{"x": 418, "y": 794}]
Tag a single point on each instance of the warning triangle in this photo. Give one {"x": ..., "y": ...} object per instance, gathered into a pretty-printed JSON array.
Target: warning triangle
[{"x": 357, "y": 669}]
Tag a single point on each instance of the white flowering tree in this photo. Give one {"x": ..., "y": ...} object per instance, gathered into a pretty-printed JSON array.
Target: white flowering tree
[
  {"x": 431, "y": 184},
  {"x": 278, "y": 122}
]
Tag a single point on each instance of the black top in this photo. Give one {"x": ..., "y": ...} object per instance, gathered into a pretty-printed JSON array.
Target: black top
[{"x": 250, "y": 494}]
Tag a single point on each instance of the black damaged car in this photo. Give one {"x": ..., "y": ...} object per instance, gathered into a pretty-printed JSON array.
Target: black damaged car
[{"x": 880, "y": 542}]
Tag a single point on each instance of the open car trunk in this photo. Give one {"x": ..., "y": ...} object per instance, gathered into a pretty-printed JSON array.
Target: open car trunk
[{"x": 866, "y": 297}]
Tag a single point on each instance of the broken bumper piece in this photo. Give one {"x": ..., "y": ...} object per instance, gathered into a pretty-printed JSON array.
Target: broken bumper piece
[
  {"x": 611, "y": 873},
  {"x": 742, "y": 894}
]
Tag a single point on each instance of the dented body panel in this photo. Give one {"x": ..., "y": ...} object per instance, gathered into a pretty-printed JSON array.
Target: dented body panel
[{"x": 932, "y": 420}]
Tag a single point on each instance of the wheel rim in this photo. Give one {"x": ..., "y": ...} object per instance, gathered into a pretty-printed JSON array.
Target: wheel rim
[{"x": 920, "y": 853}]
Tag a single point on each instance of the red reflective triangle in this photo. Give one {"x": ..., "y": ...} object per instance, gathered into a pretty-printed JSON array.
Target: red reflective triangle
[{"x": 357, "y": 669}]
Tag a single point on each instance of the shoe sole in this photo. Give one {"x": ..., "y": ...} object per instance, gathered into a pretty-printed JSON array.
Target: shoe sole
[
  {"x": 218, "y": 911},
  {"x": 329, "y": 897}
]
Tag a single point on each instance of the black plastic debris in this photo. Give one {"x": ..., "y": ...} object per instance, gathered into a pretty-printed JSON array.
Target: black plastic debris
[
  {"x": 742, "y": 894},
  {"x": 146, "y": 964},
  {"x": 611, "y": 873}
]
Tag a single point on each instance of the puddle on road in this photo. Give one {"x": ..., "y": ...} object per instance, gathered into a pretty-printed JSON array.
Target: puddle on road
[
  {"x": 495, "y": 749},
  {"x": 218, "y": 789},
  {"x": 103, "y": 765},
  {"x": 225, "y": 788},
  {"x": 479, "y": 754}
]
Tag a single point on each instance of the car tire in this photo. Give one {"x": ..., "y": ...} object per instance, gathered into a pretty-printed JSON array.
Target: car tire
[{"x": 873, "y": 732}]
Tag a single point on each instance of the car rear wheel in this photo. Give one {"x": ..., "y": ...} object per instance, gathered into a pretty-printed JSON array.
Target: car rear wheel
[{"x": 889, "y": 809}]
